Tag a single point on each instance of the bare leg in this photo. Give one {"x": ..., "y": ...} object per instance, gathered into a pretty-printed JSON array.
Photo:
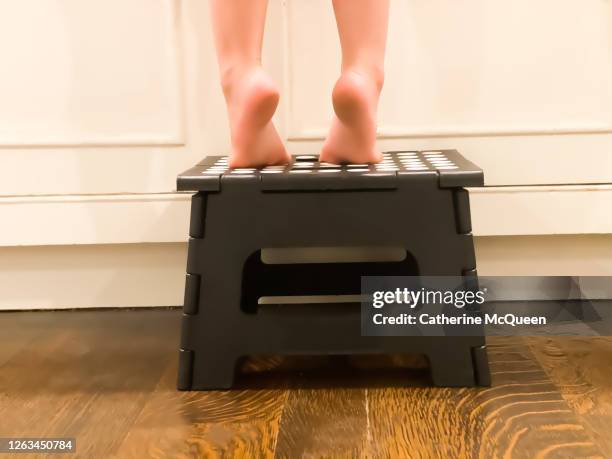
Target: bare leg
[
  {"x": 250, "y": 94},
  {"x": 362, "y": 26}
]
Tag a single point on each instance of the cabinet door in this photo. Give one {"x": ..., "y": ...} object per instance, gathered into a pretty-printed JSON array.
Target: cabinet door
[
  {"x": 94, "y": 95},
  {"x": 523, "y": 88}
]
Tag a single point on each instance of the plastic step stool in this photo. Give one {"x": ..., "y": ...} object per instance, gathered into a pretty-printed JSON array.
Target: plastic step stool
[{"x": 413, "y": 200}]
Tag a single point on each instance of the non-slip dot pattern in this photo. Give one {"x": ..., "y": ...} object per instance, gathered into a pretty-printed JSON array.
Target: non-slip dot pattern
[{"x": 396, "y": 161}]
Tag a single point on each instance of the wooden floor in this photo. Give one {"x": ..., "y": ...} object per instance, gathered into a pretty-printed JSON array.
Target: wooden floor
[{"x": 108, "y": 379}]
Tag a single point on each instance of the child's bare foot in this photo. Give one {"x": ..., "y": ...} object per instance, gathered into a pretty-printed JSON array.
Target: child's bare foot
[
  {"x": 352, "y": 137},
  {"x": 251, "y": 101}
]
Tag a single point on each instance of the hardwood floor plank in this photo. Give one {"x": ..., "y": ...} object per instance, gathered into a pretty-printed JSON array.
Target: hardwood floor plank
[
  {"x": 18, "y": 329},
  {"x": 238, "y": 423},
  {"x": 511, "y": 419},
  {"x": 88, "y": 380},
  {"x": 581, "y": 367},
  {"x": 324, "y": 423}
]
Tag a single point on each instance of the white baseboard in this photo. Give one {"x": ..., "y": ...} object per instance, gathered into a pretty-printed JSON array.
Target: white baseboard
[{"x": 92, "y": 276}]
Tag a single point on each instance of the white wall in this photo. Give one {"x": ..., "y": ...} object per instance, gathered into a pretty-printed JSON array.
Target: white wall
[{"x": 103, "y": 103}]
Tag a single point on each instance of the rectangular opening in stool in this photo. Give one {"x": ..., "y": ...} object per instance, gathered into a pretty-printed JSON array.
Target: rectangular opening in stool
[{"x": 315, "y": 276}]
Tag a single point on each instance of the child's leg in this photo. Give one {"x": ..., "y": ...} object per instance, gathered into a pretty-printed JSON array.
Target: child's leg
[
  {"x": 362, "y": 26},
  {"x": 250, "y": 95}
]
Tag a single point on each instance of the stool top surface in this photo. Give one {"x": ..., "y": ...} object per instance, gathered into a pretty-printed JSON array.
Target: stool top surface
[{"x": 305, "y": 172}]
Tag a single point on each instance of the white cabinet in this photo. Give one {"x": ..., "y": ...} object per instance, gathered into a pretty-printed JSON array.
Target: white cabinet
[{"x": 104, "y": 102}]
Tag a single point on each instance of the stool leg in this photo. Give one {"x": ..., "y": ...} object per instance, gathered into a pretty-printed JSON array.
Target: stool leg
[
  {"x": 217, "y": 333},
  {"x": 213, "y": 370},
  {"x": 452, "y": 368}
]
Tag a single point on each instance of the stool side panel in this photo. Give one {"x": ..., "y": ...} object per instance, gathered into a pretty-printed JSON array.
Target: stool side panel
[
  {"x": 185, "y": 370},
  {"x": 192, "y": 294},
  {"x": 197, "y": 215},
  {"x": 462, "y": 211},
  {"x": 481, "y": 366}
]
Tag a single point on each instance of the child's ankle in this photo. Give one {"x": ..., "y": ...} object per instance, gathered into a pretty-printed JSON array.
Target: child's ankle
[
  {"x": 375, "y": 74},
  {"x": 231, "y": 76}
]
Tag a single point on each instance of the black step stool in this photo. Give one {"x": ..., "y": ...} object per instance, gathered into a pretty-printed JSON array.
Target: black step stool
[{"x": 413, "y": 200}]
